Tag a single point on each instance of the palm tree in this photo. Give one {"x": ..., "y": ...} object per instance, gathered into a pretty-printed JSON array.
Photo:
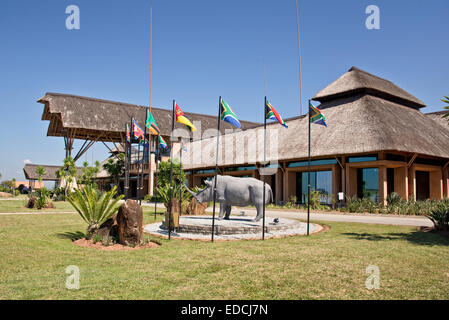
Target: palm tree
[
  {"x": 40, "y": 171},
  {"x": 446, "y": 100},
  {"x": 67, "y": 173}
]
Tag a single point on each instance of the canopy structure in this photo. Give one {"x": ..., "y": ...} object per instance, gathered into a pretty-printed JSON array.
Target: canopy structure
[{"x": 75, "y": 117}]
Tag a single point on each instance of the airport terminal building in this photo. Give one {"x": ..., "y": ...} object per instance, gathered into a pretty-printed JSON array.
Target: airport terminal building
[{"x": 377, "y": 141}]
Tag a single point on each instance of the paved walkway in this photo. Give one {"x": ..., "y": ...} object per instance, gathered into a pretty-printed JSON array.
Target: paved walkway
[{"x": 415, "y": 221}]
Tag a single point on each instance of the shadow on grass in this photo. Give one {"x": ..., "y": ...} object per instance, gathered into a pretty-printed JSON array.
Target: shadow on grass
[
  {"x": 71, "y": 235},
  {"x": 417, "y": 237}
]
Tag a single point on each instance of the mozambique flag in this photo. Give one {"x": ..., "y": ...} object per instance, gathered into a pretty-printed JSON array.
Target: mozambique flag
[
  {"x": 315, "y": 115},
  {"x": 271, "y": 113},
  {"x": 151, "y": 124},
  {"x": 228, "y": 115},
  {"x": 137, "y": 131},
  {"x": 162, "y": 142},
  {"x": 180, "y": 117},
  {"x": 128, "y": 136}
]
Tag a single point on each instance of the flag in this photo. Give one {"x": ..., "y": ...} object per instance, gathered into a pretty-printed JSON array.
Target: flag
[
  {"x": 144, "y": 143},
  {"x": 137, "y": 131},
  {"x": 228, "y": 115},
  {"x": 162, "y": 142},
  {"x": 271, "y": 113},
  {"x": 128, "y": 136},
  {"x": 182, "y": 119},
  {"x": 315, "y": 115},
  {"x": 151, "y": 124}
]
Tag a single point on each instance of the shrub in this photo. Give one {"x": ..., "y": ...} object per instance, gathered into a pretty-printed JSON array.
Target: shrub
[
  {"x": 353, "y": 204},
  {"x": 94, "y": 206},
  {"x": 439, "y": 215}
]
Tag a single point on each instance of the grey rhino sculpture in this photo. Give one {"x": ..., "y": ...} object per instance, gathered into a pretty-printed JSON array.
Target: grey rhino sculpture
[{"x": 235, "y": 191}]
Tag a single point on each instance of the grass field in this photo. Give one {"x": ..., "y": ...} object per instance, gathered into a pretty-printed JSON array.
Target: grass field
[
  {"x": 59, "y": 206},
  {"x": 36, "y": 249}
]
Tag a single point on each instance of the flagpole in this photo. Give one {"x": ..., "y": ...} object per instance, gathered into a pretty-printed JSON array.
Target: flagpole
[
  {"x": 125, "y": 191},
  {"x": 180, "y": 177},
  {"x": 308, "y": 180},
  {"x": 299, "y": 57},
  {"x": 143, "y": 157},
  {"x": 216, "y": 170},
  {"x": 171, "y": 169},
  {"x": 264, "y": 163},
  {"x": 156, "y": 155}
]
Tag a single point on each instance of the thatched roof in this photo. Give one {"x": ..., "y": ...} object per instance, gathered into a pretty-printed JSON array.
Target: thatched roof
[
  {"x": 358, "y": 123},
  {"x": 357, "y": 81},
  {"x": 438, "y": 117},
  {"x": 90, "y": 118},
  {"x": 30, "y": 172}
]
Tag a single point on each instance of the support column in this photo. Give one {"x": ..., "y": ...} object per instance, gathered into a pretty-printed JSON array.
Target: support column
[
  {"x": 351, "y": 181},
  {"x": 400, "y": 182},
  {"x": 445, "y": 182},
  {"x": 436, "y": 184},
  {"x": 412, "y": 183},
  {"x": 279, "y": 186}
]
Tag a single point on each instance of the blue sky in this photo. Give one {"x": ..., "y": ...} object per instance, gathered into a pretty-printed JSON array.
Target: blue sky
[{"x": 203, "y": 49}]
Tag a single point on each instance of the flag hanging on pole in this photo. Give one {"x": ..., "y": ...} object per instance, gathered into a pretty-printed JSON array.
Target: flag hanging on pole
[
  {"x": 151, "y": 124},
  {"x": 316, "y": 116},
  {"x": 162, "y": 142},
  {"x": 272, "y": 114},
  {"x": 128, "y": 136},
  {"x": 137, "y": 131},
  {"x": 180, "y": 117},
  {"x": 228, "y": 115}
]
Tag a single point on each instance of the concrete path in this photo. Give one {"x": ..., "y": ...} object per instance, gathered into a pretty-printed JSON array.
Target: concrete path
[{"x": 415, "y": 221}]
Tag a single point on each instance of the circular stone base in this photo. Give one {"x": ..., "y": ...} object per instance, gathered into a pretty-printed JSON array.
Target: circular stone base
[{"x": 237, "y": 227}]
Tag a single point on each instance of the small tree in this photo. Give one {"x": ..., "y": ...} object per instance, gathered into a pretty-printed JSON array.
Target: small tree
[
  {"x": 116, "y": 169},
  {"x": 40, "y": 171},
  {"x": 163, "y": 182},
  {"x": 94, "y": 206},
  {"x": 89, "y": 173},
  {"x": 67, "y": 173},
  {"x": 13, "y": 186}
]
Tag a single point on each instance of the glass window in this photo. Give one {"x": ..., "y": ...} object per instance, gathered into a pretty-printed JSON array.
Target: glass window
[
  {"x": 205, "y": 171},
  {"x": 320, "y": 181},
  {"x": 368, "y": 183},
  {"x": 362, "y": 159},
  {"x": 312, "y": 163},
  {"x": 241, "y": 168}
]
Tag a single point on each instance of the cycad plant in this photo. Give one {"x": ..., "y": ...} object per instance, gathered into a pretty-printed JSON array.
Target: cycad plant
[{"x": 94, "y": 207}]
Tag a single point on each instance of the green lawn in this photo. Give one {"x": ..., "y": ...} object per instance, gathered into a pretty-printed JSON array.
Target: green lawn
[
  {"x": 36, "y": 249},
  {"x": 60, "y": 206},
  {"x": 19, "y": 206}
]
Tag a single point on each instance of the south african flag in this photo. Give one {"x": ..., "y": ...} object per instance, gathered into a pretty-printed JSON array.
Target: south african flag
[
  {"x": 228, "y": 115},
  {"x": 315, "y": 115},
  {"x": 271, "y": 113},
  {"x": 162, "y": 142}
]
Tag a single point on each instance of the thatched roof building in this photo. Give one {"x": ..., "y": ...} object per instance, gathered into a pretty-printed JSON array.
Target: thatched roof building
[
  {"x": 364, "y": 114},
  {"x": 377, "y": 141},
  {"x": 30, "y": 171},
  {"x": 103, "y": 120}
]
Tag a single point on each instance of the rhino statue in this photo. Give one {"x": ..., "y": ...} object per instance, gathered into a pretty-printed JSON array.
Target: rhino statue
[{"x": 235, "y": 191}]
